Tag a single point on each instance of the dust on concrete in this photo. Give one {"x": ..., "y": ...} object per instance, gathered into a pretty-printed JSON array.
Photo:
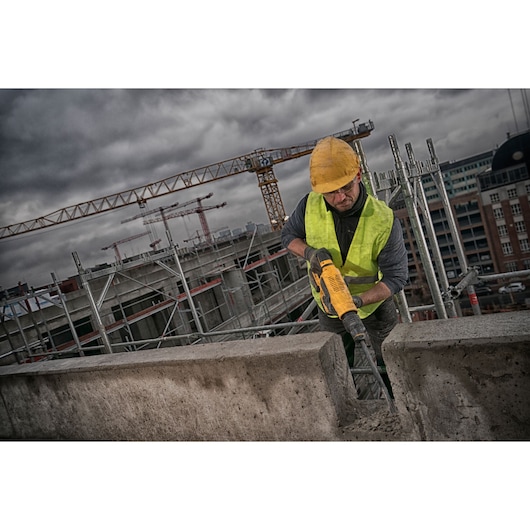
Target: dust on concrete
[{"x": 377, "y": 423}]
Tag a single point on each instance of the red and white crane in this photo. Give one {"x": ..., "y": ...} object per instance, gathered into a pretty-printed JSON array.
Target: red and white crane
[
  {"x": 199, "y": 210},
  {"x": 116, "y": 243}
]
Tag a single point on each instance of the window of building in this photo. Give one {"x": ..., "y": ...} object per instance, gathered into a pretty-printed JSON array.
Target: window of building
[
  {"x": 520, "y": 227},
  {"x": 507, "y": 249},
  {"x": 511, "y": 266},
  {"x": 503, "y": 231},
  {"x": 516, "y": 209},
  {"x": 528, "y": 189},
  {"x": 494, "y": 197},
  {"x": 523, "y": 243},
  {"x": 512, "y": 193},
  {"x": 526, "y": 263},
  {"x": 497, "y": 213}
]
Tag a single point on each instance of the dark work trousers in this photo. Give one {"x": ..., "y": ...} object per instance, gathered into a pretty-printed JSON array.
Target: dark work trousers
[{"x": 378, "y": 326}]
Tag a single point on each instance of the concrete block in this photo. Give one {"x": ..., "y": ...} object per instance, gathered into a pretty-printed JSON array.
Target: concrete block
[
  {"x": 463, "y": 378},
  {"x": 295, "y": 387}
]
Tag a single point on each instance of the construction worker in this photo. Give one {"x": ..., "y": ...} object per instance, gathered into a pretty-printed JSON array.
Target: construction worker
[{"x": 360, "y": 233}]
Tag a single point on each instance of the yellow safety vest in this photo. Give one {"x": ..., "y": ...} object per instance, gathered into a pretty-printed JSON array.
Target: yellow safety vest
[{"x": 360, "y": 269}]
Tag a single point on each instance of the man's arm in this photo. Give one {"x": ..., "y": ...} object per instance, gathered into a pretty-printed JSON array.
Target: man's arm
[
  {"x": 393, "y": 263},
  {"x": 294, "y": 230},
  {"x": 393, "y": 260},
  {"x": 377, "y": 293},
  {"x": 297, "y": 246}
]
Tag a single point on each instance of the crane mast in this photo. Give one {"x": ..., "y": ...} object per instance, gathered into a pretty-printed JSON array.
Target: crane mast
[{"x": 260, "y": 161}]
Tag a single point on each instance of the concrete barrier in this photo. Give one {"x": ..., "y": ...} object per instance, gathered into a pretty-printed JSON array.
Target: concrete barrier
[
  {"x": 285, "y": 388},
  {"x": 456, "y": 379},
  {"x": 464, "y": 378}
]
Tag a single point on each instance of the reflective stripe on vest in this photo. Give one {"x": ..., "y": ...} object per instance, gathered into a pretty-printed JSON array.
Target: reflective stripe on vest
[{"x": 360, "y": 269}]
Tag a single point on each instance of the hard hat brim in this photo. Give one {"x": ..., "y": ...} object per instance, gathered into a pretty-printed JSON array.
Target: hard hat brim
[{"x": 320, "y": 186}]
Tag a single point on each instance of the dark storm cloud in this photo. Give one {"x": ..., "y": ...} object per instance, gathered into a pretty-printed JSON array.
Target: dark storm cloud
[{"x": 63, "y": 147}]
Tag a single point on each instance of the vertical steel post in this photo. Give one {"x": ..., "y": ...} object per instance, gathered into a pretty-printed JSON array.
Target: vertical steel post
[
  {"x": 62, "y": 298},
  {"x": 367, "y": 178},
  {"x": 416, "y": 227},
  {"x": 403, "y": 306},
  {"x": 185, "y": 285},
  {"x": 431, "y": 234},
  {"x": 461, "y": 255},
  {"x": 22, "y": 334},
  {"x": 95, "y": 313}
]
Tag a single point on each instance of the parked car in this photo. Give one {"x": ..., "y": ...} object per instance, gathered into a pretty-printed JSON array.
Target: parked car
[
  {"x": 513, "y": 287},
  {"x": 482, "y": 289}
]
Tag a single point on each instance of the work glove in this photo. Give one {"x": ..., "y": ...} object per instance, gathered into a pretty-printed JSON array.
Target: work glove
[
  {"x": 357, "y": 301},
  {"x": 315, "y": 257}
]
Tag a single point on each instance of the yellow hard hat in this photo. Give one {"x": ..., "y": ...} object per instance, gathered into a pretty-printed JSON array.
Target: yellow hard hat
[{"x": 333, "y": 164}]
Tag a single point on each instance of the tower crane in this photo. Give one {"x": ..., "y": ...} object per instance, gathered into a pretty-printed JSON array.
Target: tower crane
[
  {"x": 116, "y": 243},
  {"x": 193, "y": 238},
  {"x": 199, "y": 210},
  {"x": 161, "y": 210},
  {"x": 260, "y": 162}
]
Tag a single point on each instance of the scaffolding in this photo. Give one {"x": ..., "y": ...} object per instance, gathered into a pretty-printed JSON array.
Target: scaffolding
[
  {"x": 149, "y": 300},
  {"x": 240, "y": 288}
]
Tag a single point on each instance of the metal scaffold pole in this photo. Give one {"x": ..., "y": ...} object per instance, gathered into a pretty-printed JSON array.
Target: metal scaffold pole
[
  {"x": 384, "y": 185},
  {"x": 403, "y": 306},
  {"x": 62, "y": 299},
  {"x": 185, "y": 285},
  {"x": 461, "y": 255},
  {"x": 93, "y": 306},
  {"x": 367, "y": 177},
  {"x": 431, "y": 234},
  {"x": 417, "y": 229}
]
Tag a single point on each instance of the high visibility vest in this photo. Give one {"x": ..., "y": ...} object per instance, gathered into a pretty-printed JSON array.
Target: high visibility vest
[{"x": 360, "y": 269}]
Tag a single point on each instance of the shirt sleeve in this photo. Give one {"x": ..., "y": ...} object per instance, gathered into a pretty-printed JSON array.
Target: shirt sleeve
[
  {"x": 295, "y": 226},
  {"x": 393, "y": 260}
]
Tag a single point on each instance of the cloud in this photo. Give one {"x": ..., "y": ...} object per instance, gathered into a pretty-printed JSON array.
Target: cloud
[{"x": 64, "y": 147}]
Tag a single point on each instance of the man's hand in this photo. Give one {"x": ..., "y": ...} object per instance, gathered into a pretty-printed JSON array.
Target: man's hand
[{"x": 315, "y": 257}]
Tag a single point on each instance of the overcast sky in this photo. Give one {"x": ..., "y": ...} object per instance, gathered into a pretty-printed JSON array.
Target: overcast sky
[
  {"x": 63, "y": 147},
  {"x": 69, "y": 134}
]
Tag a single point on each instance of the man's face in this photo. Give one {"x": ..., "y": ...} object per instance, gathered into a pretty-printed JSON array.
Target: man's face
[{"x": 344, "y": 198}]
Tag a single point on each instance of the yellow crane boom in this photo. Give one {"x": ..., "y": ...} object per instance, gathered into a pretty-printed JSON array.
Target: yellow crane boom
[{"x": 260, "y": 161}]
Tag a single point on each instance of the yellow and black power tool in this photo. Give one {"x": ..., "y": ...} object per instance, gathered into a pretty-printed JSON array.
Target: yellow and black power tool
[
  {"x": 336, "y": 297},
  {"x": 337, "y": 301}
]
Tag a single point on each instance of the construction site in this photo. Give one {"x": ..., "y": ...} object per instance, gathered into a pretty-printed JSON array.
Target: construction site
[{"x": 240, "y": 294}]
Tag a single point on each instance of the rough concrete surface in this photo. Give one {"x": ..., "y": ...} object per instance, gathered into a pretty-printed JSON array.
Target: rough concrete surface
[
  {"x": 456, "y": 379},
  {"x": 287, "y": 388},
  {"x": 463, "y": 379}
]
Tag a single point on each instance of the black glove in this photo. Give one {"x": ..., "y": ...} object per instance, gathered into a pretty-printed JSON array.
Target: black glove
[
  {"x": 357, "y": 300},
  {"x": 315, "y": 256}
]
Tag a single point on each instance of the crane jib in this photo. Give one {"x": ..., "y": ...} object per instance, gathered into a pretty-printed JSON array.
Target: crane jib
[{"x": 260, "y": 161}]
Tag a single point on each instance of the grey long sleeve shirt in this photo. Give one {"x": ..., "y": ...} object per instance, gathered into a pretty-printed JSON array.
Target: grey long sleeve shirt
[{"x": 392, "y": 261}]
